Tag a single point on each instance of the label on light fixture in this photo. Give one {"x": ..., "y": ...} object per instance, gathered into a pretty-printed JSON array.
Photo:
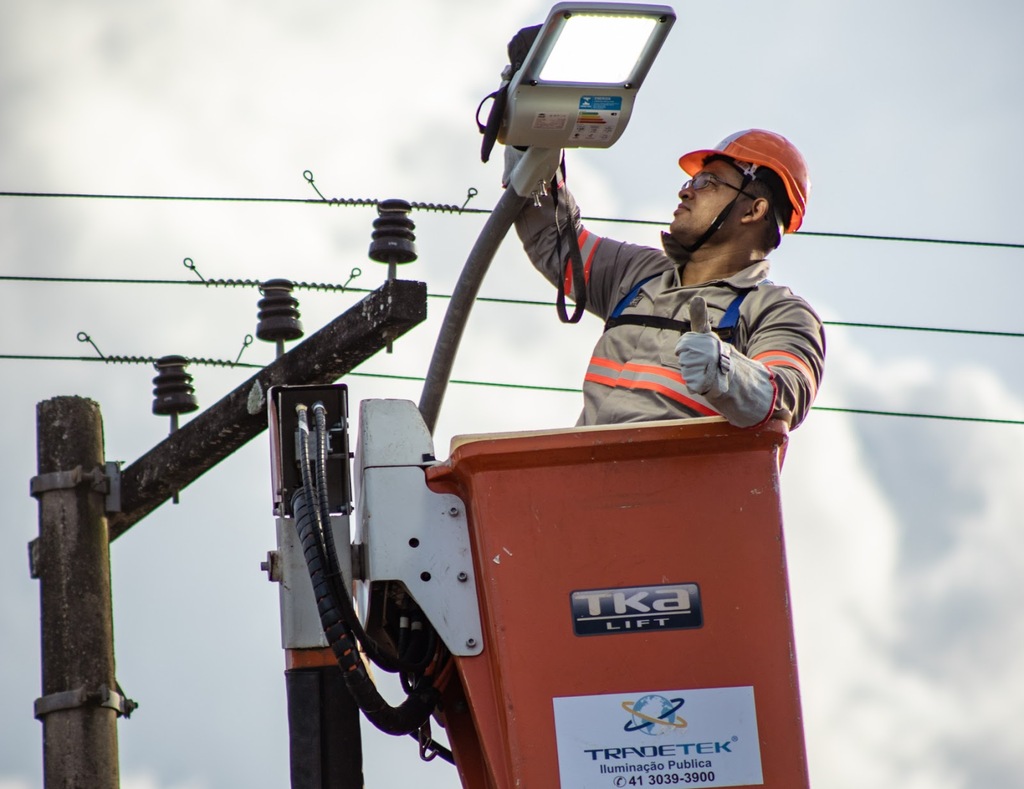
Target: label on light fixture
[
  {"x": 597, "y": 119},
  {"x": 550, "y": 121},
  {"x": 609, "y": 103}
]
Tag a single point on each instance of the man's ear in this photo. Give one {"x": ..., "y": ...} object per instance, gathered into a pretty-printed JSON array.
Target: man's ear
[{"x": 756, "y": 211}]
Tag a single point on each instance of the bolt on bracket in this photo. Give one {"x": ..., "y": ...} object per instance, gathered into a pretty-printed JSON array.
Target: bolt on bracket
[
  {"x": 82, "y": 697},
  {"x": 106, "y": 480}
]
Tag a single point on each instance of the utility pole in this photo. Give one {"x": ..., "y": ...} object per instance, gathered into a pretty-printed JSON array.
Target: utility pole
[
  {"x": 77, "y": 489},
  {"x": 71, "y": 559},
  {"x": 323, "y": 723}
]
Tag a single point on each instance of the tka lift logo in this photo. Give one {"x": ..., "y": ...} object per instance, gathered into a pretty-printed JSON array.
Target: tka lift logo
[{"x": 636, "y": 608}]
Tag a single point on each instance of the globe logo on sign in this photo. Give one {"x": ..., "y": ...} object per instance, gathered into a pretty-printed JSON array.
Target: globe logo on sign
[{"x": 653, "y": 715}]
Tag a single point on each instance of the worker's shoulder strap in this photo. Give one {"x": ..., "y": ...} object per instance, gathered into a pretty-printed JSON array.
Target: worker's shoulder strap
[
  {"x": 626, "y": 300},
  {"x": 725, "y": 329}
]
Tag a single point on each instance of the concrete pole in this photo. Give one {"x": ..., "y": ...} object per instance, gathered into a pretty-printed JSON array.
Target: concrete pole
[{"x": 72, "y": 563}]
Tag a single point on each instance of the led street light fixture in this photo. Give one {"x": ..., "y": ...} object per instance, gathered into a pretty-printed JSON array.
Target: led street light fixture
[{"x": 577, "y": 85}]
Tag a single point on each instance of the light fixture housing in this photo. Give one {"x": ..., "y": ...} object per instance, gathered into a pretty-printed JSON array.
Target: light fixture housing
[{"x": 578, "y": 83}]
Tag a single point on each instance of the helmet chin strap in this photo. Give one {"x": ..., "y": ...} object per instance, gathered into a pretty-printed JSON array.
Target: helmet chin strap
[{"x": 716, "y": 225}]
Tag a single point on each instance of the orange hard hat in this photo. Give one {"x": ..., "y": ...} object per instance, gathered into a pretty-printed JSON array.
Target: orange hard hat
[{"x": 764, "y": 149}]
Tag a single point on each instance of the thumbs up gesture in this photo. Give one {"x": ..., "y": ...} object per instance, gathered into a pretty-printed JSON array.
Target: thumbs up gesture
[
  {"x": 704, "y": 360},
  {"x": 699, "y": 322},
  {"x": 741, "y": 389}
]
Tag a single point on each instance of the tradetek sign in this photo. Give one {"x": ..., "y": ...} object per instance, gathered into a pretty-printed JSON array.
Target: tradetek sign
[{"x": 696, "y": 738}]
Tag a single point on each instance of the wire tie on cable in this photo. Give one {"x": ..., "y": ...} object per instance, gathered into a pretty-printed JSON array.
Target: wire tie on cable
[
  {"x": 440, "y": 207},
  {"x": 308, "y": 175},
  {"x": 191, "y": 266},
  {"x": 470, "y": 194},
  {"x": 83, "y": 337},
  {"x": 130, "y": 359},
  {"x": 234, "y": 283},
  {"x": 349, "y": 201},
  {"x": 245, "y": 344},
  {"x": 353, "y": 274}
]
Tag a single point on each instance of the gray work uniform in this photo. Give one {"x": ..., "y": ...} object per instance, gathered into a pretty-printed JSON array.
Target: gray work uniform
[{"x": 633, "y": 374}]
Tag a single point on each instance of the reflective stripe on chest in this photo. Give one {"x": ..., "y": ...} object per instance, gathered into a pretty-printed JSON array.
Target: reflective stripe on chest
[{"x": 646, "y": 377}]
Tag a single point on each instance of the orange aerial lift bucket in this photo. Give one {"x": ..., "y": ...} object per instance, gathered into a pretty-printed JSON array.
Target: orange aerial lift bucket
[{"x": 634, "y": 596}]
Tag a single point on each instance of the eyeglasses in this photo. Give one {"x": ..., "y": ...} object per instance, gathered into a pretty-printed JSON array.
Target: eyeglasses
[{"x": 703, "y": 180}]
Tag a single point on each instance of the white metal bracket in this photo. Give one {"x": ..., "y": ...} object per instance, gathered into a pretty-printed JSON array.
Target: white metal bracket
[
  {"x": 421, "y": 538},
  {"x": 300, "y": 620},
  {"x": 408, "y": 532}
]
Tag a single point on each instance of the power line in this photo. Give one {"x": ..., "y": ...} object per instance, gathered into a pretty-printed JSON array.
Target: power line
[
  {"x": 823, "y": 234},
  {"x": 559, "y": 389},
  {"x": 209, "y": 283},
  {"x": 125, "y": 360},
  {"x": 357, "y": 202},
  {"x": 454, "y": 209},
  {"x": 909, "y": 415},
  {"x": 569, "y": 390},
  {"x": 496, "y": 384},
  {"x": 184, "y": 198},
  {"x": 914, "y": 240},
  {"x": 894, "y": 327},
  {"x": 346, "y": 288}
]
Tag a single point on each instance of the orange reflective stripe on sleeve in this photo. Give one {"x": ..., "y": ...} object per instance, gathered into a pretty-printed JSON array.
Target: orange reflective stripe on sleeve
[
  {"x": 651, "y": 378},
  {"x": 783, "y": 359},
  {"x": 588, "y": 246}
]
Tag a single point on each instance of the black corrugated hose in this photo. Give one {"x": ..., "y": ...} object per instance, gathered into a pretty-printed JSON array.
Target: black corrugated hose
[
  {"x": 337, "y": 615},
  {"x": 411, "y": 714},
  {"x": 406, "y": 660}
]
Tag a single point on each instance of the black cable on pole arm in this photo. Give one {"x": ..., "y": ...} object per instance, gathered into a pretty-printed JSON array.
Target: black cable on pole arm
[{"x": 466, "y": 289}]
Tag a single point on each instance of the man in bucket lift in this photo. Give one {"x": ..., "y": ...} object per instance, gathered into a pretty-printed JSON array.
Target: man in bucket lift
[{"x": 696, "y": 330}]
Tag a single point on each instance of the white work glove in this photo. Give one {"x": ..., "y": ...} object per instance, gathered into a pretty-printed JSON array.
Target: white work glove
[
  {"x": 740, "y": 389},
  {"x": 512, "y": 157},
  {"x": 541, "y": 167}
]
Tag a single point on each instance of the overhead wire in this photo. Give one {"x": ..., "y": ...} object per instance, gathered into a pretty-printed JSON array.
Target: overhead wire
[
  {"x": 493, "y": 384},
  {"x": 447, "y": 208},
  {"x": 463, "y": 209},
  {"x": 577, "y": 391},
  {"x": 354, "y": 202},
  {"x": 346, "y": 288},
  {"x": 850, "y": 236}
]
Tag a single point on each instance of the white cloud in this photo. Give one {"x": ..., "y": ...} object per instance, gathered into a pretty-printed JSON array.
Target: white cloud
[{"x": 904, "y": 579}]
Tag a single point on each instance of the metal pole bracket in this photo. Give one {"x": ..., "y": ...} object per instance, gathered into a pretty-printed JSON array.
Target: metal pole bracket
[
  {"x": 106, "y": 480},
  {"x": 81, "y": 697}
]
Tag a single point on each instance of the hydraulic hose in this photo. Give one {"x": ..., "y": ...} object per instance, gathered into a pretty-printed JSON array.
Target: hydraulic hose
[
  {"x": 315, "y": 483},
  {"x": 411, "y": 714},
  {"x": 466, "y": 289}
]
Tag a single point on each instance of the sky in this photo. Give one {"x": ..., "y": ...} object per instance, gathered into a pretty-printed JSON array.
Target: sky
[{"x": 903, "y": 534}]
